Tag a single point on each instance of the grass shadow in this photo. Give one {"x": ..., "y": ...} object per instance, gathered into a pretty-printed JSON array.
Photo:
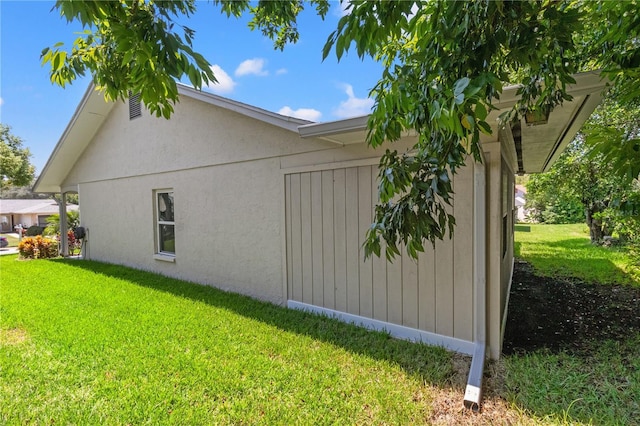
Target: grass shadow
[
  {"x": 572, "y": 347},
  {"x": 562, "y": 313},
  {"x": 431, "y": 364}
]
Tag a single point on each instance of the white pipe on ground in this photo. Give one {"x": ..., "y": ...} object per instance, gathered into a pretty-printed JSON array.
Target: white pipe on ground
[{"x": 473, "y": 392}]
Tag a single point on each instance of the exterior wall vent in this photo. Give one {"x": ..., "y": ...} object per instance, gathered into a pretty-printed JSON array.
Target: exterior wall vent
[{"x": 135, "y": 109}]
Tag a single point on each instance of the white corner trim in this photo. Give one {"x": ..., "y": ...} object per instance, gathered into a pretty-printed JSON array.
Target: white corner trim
[
  {"x": 503, "y": 324},
  {"x": 398, "y": 331},
  {"x": 164, "y": 258}
]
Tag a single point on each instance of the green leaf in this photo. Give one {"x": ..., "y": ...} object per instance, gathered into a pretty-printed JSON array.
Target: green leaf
[
  {"x": 480, "y": 111},
  {"x": 468, "y": 122},
  {"x": 485, "y": 127},
  {"x": 459, "y": 86}
]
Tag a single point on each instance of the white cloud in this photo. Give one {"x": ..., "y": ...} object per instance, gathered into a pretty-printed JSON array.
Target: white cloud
[
  {"x": 303, "y": 113},
  {"x": 282, "y": 71},
  {"x": 225, "y": 84},
  {"x": 353, "y": 106},
  {"x": 1, "y": 101},
  {"x": 341, "y": 10},
  {"x": 253, "y": 66}
]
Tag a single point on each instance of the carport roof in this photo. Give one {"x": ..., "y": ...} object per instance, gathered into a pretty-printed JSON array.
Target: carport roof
[{"x": 31, "y": 206}]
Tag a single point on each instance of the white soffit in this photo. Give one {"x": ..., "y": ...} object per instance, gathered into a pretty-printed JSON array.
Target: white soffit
[
  {"x": 86, "y": 121},
  {"x": 543, "y": 144}
]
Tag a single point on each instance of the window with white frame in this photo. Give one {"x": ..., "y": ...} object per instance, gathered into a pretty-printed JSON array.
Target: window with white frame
[{"x": 165, "y": 224}]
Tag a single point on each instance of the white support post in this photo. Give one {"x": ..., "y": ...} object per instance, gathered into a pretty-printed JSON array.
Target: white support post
[{"x": 64, "y": 239}]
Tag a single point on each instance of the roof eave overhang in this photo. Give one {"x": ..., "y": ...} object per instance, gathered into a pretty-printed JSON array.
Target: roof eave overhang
[
  {"x": 583, "y": 112},
  {"x": 85, "y": 122},
  {"x": 341, "y": 132},
  {"x": 289, "y": 123},
  {"x": 587, "y": 93},
  {"x": 93, "y": 110}
]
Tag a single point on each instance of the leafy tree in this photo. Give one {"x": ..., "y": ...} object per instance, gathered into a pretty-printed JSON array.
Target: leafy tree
[
  {"x": 580, "y": 178},
  {"x": 613, "y": 131},
  {"x": 548, "y": 205},
  {"x": 71, "y": 198},
  {"x": 15, "y": 167},
  {"x": 138, "y": 47},
  {"x": 12, "y": 192},
  {"x": 444, "y": 64}
]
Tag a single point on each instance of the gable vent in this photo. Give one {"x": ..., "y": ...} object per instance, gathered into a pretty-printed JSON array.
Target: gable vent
[{"x": 135, "y": 109}]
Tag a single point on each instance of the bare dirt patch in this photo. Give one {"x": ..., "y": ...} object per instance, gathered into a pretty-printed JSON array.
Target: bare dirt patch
[
  {"x": 447, "y": 404},
  {"x": 13, "y": 336},
  {"x": 567, "y": 314}
]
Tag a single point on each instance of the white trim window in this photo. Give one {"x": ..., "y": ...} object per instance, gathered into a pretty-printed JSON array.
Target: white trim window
[{"x": 165, "y": 223}]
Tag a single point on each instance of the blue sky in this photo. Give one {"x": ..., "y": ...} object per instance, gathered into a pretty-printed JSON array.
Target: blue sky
[{"x": 294, "y": 82}]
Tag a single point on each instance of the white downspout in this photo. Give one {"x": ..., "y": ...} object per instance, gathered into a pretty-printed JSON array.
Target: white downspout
[{"x": 473, "y": 392}]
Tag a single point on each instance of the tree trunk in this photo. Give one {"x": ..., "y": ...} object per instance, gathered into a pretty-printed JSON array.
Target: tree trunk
[{"x": 595, "y": 227}]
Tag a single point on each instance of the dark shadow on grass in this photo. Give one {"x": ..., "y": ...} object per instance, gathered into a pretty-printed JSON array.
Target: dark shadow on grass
[
  {"x": 555, "y": 319},
  {"x": 429, "y": 363},
  {"x": 563, "y": 313}
]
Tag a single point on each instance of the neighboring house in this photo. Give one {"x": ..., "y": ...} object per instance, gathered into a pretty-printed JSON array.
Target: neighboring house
[
  {"x": 27, "y": 213},
  {"x": 275, "y": 207},
  {"x": 522, "y": 213}
]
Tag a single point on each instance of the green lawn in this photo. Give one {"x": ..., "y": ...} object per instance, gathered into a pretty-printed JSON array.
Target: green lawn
[
  {"x": 83, "y": 342},
  {"x": 90, "y": 343},
  {"x": 566, "y": 251},
  {"x": 600, "y": 388},
  {"x": 563, "y": 388}
]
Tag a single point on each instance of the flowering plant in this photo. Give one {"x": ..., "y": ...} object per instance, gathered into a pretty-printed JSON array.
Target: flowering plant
[{"x": 38, "y": 247}]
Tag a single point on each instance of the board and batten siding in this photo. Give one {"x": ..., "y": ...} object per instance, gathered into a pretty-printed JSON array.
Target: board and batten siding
[{"x": 328, "y": 213}]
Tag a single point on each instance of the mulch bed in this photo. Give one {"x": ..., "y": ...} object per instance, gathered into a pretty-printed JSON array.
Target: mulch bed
[{"x": 567, "y": 314}]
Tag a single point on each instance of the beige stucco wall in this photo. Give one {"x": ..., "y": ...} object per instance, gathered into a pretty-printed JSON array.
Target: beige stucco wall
[
  {"x": 227, "y": 225},
  {"x": 226, "y": 171},
  {"x": 198, "y": 135}
]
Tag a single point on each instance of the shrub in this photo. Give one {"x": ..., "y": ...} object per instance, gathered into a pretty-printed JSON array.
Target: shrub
[
  {"x": 53, "y": 222},
  {"x": 38, "y": 248},
  {"x": 34, "y": 230}
]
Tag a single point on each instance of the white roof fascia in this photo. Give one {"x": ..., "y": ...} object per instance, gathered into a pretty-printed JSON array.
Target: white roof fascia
[
  {"x": 285, "y": 122},
  {"x": 334, "y": 127}
]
